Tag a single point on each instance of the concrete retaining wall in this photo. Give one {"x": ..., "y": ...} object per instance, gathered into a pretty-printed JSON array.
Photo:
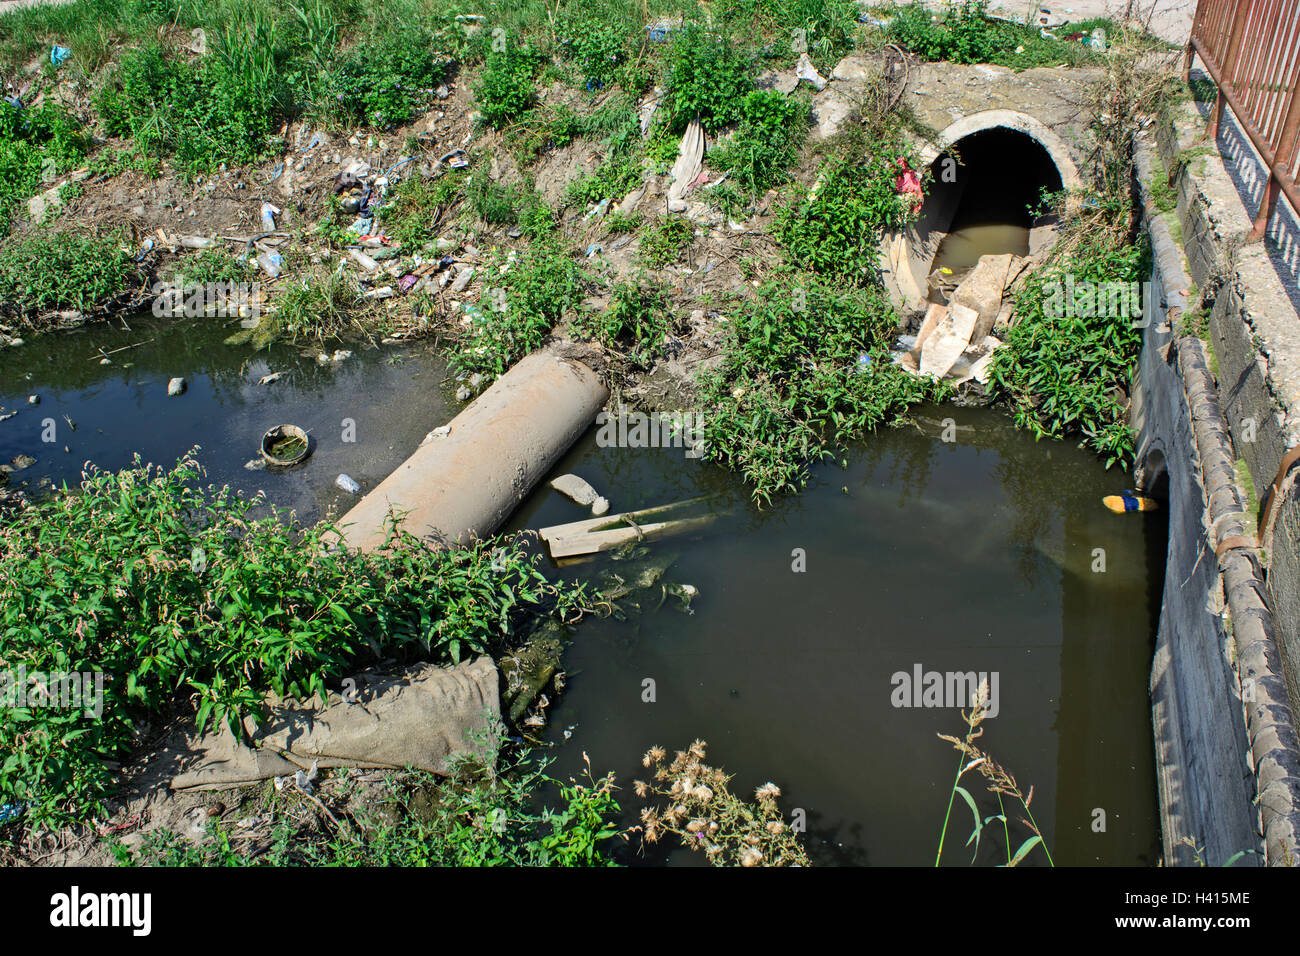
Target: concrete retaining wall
[{"x": 1228, "y": 757}]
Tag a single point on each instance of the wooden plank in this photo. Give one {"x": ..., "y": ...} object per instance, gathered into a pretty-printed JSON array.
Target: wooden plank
[
  {"x": 591, "y": 542},
  {"x": 606, "y": 522}
]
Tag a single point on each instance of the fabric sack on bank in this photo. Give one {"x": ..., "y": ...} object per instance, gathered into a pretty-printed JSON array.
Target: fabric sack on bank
[{"x": 418, "y": 718}]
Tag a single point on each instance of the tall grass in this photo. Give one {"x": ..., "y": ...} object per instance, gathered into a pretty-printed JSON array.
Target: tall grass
[{"x": 998, "y": 781}]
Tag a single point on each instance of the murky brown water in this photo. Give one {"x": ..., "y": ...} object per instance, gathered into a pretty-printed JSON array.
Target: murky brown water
[
  {"x": 975, "y": 555},
  {"x": 962, "y": 248},
  {"x": 365, "y": 416},
  {"x": 972, "y": 556}
]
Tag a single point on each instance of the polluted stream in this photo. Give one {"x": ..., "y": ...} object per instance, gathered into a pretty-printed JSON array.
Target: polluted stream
[
  {"x": 359, "y": 414},
  {"x": 917, "y": 555}
]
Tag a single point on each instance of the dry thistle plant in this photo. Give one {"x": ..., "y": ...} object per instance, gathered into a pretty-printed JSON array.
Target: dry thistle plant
[
  {"x": 1136, "y": 82},
  {"x": 998, "y": 781},
  {"x": 706, "y": 816}
]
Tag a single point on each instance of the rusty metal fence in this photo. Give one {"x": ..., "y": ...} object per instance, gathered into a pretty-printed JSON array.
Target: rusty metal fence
[{"x": 1251, "y": 49}]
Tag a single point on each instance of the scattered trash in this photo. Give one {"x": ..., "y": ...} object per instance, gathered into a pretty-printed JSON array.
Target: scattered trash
[
  {"x": 5, "y": 416},
  {"x": 363, "y": 260},
  {"x": 647, "y": 108},
  {"x": 18, "y": 463},
  {"x": 11, "y": 811},
  {"x": 442, "y": 431},
  {"x": 271, "y": 262},
  {"x": 176, "y": 387},
  {"x": 33, "y": 399},
  {"x": 1128, "y": 501},
  {"x": 576, "y": 489},
  {"x": 268, "y": 379},
  {"x": 594, "y": 248},
  {"x": 463, "y": 394},
  {"x": 600, "y": 506},
  {"x": 908, "y": 183},
  {"x": 805, "y": 70},
  {"x": 597, "y": 210},
  {"x": 196, "y": 242},
  {"x": 456, "y": 159},
  {"x": 58, "y": 54},
  {"x": 659, "y": 30},
  {"x": 347, "y": 484},
  {"x": 255, "y": 464},
  {"x": 462, "y": 280},
  {"x": 690, "y": 161},
  {"x": 285, "y": 445},
  {"x": 269, "y": 212}
]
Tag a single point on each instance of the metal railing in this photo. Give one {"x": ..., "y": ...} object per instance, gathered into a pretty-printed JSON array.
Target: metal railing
[{"x": 1251, "y": 49}]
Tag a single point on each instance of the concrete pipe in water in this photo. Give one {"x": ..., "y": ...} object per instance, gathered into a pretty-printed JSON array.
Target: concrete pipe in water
[{"x": 462, "y": 485}]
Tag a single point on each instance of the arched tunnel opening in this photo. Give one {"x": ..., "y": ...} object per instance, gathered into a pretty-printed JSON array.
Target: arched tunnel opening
[{"x": 985, "y": 191}]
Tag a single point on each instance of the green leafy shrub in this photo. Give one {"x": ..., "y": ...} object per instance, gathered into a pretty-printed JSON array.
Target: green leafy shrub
[
  {"x": 806, "y": 370},
  {"x": 34, "y": 145},
  {"x": 665, "y": 241},
  {"x": 1062, "y": 365},
  {"x": 213, "y": 266},
  {"x": 597, "y": 47},
  {"x": 619, "y": 223},
  {"x": 174, "y": 591},
  {"x": 416, "y": 209},
  {"x": 541, "y": 129},
  {"x": 772, "y": 128},
  {"x": 203, "y": 114},
  {"x": 836, "y": 230},
  {"x": 384, "y": 81},
  {"x": 315, "y": 305},
  {"x": 519, "y": 203},
  {"x": 505, "y": 87},
  {"x": 613, "y": 179},
  {"x": 50, "y": 272},
  {"x": 634, "y": 323},
  {"x": 966, "y": 34},
  {"x": 828, "y": 25},
  {"x": 519, "y": 309},
  {"x": 706, "y": 78}
]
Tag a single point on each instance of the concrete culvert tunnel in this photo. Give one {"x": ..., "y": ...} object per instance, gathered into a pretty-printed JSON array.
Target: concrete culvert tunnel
[
  {"x": 955, "y": 270},
  {"x": 983, "y": 198},
  {"x": 986, "y": 179}
]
